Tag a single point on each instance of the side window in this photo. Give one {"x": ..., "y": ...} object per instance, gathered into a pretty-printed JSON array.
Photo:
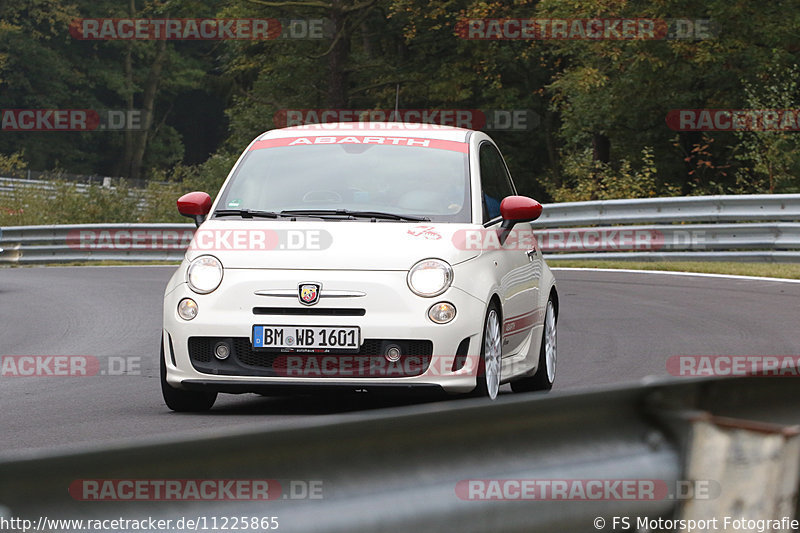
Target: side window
[{"x": 495, "y": 181}]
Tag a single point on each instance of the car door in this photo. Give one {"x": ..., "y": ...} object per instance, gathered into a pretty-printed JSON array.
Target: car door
[{"x": 518, "y": 262}]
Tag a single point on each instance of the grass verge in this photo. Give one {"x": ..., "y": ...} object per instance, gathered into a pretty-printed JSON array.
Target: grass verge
[{"x": 769, "y": 270}]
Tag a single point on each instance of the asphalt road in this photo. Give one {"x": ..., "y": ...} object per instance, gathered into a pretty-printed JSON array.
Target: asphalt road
[{"x": 614, "y": 327}]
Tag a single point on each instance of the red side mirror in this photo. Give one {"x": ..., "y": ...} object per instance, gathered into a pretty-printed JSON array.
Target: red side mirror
[
  {"x": 195, "y": 205},
  {"x": 516, "y": 209},
  {"x": 520, "y": 209}
]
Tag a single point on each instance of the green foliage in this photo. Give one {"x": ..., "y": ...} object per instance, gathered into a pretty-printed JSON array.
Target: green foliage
[
  {"x": 586, "y": 179},
  {"x": 771, "y": 159},
  {"x": 12, "y": 162},
  {"x": 161, "y": 193},
  {"x": 65, "y": 203},
  {"x": 160, "y": 198},
  {"x": 212, "y": 98}
]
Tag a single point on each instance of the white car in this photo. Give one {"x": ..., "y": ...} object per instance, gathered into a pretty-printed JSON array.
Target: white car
[{"x": 360, "y": 256}]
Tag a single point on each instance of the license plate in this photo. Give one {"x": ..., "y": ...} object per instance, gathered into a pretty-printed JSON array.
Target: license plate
[{"x": 302, "y": 337}]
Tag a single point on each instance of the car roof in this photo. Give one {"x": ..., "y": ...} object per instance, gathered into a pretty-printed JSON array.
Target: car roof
[{"x": 383, "y": 129}]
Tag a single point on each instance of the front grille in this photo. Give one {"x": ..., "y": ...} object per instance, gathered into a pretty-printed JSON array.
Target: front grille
[
  {"x": 201, "y": 349},
  {"x": 461, "y": 355},
  {"x": 369, "y": 360},
  {"x": 309, "y": 311}
]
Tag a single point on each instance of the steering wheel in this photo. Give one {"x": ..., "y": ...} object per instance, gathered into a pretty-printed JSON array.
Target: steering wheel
[{"x": 322, "y": 196}]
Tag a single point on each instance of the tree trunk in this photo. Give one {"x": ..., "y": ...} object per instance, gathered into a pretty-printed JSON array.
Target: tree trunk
[
  {"x": 148, "y": 105},
  {"x": 601, "y": 146},
  {"x": 366, "y": 42},
  {"x": 771, "y": 179},
  {"x": 127, "y": 154},
  {"x": 550, "y": 143},
  {"x": 337, "y": 59}
]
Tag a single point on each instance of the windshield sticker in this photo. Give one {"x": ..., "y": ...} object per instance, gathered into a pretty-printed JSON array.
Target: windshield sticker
[
  {"x": 453, "y": 146},
  {"x": 235, "y": 203}
]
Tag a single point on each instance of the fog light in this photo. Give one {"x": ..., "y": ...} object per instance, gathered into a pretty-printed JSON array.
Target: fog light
[
  {"x": 393, "y": 353},
  {"x": 187, "y": 309},
  {"x": 222, "y": 351},
  {"x": 442, "y": 312}
]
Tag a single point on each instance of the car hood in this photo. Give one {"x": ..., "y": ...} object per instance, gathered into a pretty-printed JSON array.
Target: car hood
[{"x": 337, "y": 245}]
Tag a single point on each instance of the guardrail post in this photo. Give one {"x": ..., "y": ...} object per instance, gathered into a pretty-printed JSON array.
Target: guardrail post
[{"x": 755, "y": 464}]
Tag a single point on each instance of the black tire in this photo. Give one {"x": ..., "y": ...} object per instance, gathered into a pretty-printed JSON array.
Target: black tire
[
  {"x": 482, "y": 387},
  {"x": 183, "y": 401},
  {"x": 541, "y": 381}
]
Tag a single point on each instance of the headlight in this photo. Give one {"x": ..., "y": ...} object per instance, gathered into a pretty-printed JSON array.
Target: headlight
[
  {"x": 442, "y": 312},
  {"x": 430, "y": 277},
  {"x": 204, "y": 274},
  {"x": 187, "y": 309}
]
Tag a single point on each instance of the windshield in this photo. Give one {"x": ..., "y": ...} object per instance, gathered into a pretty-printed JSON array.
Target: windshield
[{"x": 401, "y": 180}]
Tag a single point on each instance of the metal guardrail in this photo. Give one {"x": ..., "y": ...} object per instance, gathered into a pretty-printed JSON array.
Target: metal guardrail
[
  {"x": 11, "y": 185},
  {"x": 95, "y": 242},
  {"x": 734, "y": 257},
  {"x": 730, "y": 208},
  {"x": 398, "y": 470},
  {"x": 44, "y": 180},
  {"x": 81, "y": 184},
  {"x": 769, "y": 236},
  {"x": 762, "y": 232},
  {"x": 758, "y": 241}
]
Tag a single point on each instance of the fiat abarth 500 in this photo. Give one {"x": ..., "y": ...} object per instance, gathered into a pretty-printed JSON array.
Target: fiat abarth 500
[{"x": 360, "y": 256}]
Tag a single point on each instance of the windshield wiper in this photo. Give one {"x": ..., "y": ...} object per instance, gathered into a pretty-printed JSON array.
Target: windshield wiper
[
  {"x": 254, "y": 213},
  {"x": 246, "y": 213},
  {"x": 350, "y": 213}
]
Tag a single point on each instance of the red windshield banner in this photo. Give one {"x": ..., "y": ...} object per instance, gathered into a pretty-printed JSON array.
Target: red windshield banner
[{"x": 439, "y": 144}]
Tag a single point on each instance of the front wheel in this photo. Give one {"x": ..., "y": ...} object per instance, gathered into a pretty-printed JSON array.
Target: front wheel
[
  {"x": 546, "y": 372},
  {"x": 181, "y": 400},
  {"x": 490, "y": 364}
]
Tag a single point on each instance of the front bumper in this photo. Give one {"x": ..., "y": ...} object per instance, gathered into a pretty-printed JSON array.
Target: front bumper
[
  {"x": 304, "y": 387},
  {"x": 391, "y": 313}
]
